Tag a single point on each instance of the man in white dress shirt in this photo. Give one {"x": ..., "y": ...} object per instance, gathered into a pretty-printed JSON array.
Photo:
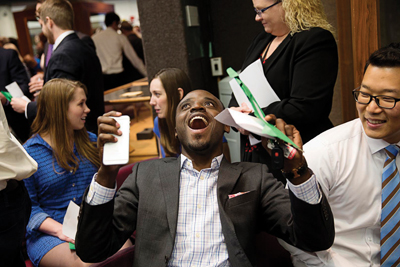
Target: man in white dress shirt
[
  {"x": 348, "y": 162},
  {"x": 110, "y": 48}
]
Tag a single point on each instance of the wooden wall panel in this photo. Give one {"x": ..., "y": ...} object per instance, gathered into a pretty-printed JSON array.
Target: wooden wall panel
[
  {"x": 345, "y": 49},
  {"x": 358, "y": 31},
  {"x": 365, "y": 30}
]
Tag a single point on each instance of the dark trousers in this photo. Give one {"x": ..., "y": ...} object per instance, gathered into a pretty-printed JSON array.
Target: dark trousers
[{"x": 15, "y": 209}]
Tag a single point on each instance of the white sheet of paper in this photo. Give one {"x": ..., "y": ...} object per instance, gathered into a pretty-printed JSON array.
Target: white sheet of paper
[
  {"x": 253, "y": 77},
  {"x": 15, "y": 91},
  {"x": 70, "y": 223},
  {"x": 237, "y": 119}
]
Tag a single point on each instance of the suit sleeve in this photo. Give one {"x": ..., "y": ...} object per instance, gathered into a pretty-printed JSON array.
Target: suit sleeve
[
  {"x": 103, "y": 229},
  {"x": 309, "y": 227},
  {"x": 18, "y": 73}
]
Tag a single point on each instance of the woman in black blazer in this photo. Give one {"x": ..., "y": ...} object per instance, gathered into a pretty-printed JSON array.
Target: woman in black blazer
[{"x": 300, "y": 61}]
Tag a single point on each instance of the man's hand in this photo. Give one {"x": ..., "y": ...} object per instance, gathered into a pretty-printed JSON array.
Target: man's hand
[
  {"x": 18, "y": 104},
  {"x": 298, "y": 160},
  {"x": 3, "y": 99},
  {"x": 243, "y": 109},
  {"x": 36, "y": 84},
  {"x": 107, "y": 127}
]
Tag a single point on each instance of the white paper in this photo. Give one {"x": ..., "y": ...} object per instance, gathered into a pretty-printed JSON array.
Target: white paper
[
  {"x": 15, "y": 91},
  {"x": 253, "y": 77},
  {"x": 237, "y": 119},
  {"x": 70, "y": 223}
]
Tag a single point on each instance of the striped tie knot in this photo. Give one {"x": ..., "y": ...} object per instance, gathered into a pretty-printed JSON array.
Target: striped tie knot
[
  {"x": 390, "y": 216},
  {"x": 391, "y": 151}
]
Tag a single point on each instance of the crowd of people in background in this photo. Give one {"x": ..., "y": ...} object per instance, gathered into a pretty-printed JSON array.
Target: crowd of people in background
[{"x": 192, "y": 205}]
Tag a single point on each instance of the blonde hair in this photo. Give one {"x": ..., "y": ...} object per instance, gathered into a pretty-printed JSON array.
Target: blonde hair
[
  {"x": 51, "y": 120},
  {"x": 302, "y": 15}
]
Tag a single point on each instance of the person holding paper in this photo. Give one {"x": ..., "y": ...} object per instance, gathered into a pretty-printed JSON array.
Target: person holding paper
[
  {"x": 199, "y": 208},
  {"x": 167, "y": 88},
  {"x": 300, "y": 61},
  {"x": 67, "y": 159}
]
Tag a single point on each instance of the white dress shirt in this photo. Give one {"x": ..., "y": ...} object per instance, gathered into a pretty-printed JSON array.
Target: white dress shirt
[
  {"x": 109, "y": 48},
  {"x": 199, "y": 239},
  {"x": 348, "y": 166}
]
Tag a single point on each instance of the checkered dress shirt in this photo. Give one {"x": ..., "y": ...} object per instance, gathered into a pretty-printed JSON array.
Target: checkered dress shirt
[{"x": 199, "y": 240}]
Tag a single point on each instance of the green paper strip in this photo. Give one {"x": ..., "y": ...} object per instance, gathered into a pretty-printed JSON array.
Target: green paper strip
[
  {"x": 71, "y": 246},
  {"x": 268, "y": 129},
  {"x": 7, "y": 95}
]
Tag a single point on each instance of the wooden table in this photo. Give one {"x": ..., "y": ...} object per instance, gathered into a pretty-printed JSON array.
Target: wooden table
[
  {"x": 140, "y": 82},
  {"x": 112, "y": 96}
]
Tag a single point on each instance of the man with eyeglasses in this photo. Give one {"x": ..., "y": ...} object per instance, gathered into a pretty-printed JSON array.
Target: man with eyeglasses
[{"x": 355, "y": 164}]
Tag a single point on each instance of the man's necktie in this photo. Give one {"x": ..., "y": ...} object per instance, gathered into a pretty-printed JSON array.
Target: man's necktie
[
  {"x": 390, "y": 217},
  {"x": 49, "y": 52}
]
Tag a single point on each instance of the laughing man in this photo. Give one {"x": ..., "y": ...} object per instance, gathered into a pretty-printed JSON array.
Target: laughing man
[{"x": 198, "y": 209}]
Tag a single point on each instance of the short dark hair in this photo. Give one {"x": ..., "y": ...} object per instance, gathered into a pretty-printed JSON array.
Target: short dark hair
[
  {"x": 110, "y": 18},
  {"x": 388, "y": 56}
]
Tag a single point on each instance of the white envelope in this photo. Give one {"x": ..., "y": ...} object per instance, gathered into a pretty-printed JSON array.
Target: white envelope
[
  {"x": 253, "y": 77},
  {"x": 237, "y": 119},
  {"x": 70, "y": 223},
  {"x": 15, "y": 91}
]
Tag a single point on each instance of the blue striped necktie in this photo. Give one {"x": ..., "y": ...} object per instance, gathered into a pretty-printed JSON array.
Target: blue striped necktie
[{"x": 390, "y": 217}]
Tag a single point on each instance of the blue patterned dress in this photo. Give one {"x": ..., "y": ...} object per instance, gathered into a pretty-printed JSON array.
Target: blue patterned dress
[{"x": 51, "y": 193}]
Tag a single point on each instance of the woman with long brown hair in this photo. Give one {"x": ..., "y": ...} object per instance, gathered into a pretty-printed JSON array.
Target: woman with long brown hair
[{"x": 67, "y": 159}]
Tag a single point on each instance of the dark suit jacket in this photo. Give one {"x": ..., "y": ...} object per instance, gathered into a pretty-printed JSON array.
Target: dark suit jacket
[
  {"x": 148, "y": 202},
  {"x": 302, "y": 71},
  {"x": 75, "y": 60},
  {"x": 12, "y": 70}
]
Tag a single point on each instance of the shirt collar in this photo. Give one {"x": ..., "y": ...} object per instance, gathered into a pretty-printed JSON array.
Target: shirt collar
[
  {"x": 60, "y": 38},
  {"x": 216, "y": 162},
  {"x": 375, "y": 145}
]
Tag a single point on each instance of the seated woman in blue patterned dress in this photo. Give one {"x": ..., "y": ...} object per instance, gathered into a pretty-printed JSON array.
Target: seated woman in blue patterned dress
[{"x": 67, "y": 159}]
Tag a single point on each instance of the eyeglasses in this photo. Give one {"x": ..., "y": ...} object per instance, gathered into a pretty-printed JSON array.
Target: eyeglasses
[
  {"x": 259, "y": 12},
  {"x": 382, "y": 101}
]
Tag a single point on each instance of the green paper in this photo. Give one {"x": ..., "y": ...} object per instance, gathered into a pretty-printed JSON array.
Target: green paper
[
  {"x": 268, "y": 129},
  {"x": 7, "y": 95},
  {"x": 71, "y": 246}
]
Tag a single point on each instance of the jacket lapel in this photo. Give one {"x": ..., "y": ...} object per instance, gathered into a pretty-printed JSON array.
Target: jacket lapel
[
  {"x": 169, "y": 176},
  {"x": 277, "y": 52},
  {"x": 227, "y": 179}
]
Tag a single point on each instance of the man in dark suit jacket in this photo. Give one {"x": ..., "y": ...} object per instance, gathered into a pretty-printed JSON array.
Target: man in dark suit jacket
[
  {"x": 12, "y": 70},
  {"x": 200, "y": 208},
  {"x": 71, "y": 58}
]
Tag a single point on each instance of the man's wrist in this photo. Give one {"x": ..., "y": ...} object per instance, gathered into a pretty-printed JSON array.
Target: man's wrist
[
  {"x": 106, "y": 177},
  {"x": 296, "y": 172}
]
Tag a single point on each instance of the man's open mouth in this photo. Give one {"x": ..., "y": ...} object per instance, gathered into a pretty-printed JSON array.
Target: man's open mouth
[{"x": 198, "y": 122}]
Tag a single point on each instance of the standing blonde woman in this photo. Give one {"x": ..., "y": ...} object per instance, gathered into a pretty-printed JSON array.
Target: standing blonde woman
[
  {"x": 67, "y": 159},
  {"x": 300, "y": 61}
]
